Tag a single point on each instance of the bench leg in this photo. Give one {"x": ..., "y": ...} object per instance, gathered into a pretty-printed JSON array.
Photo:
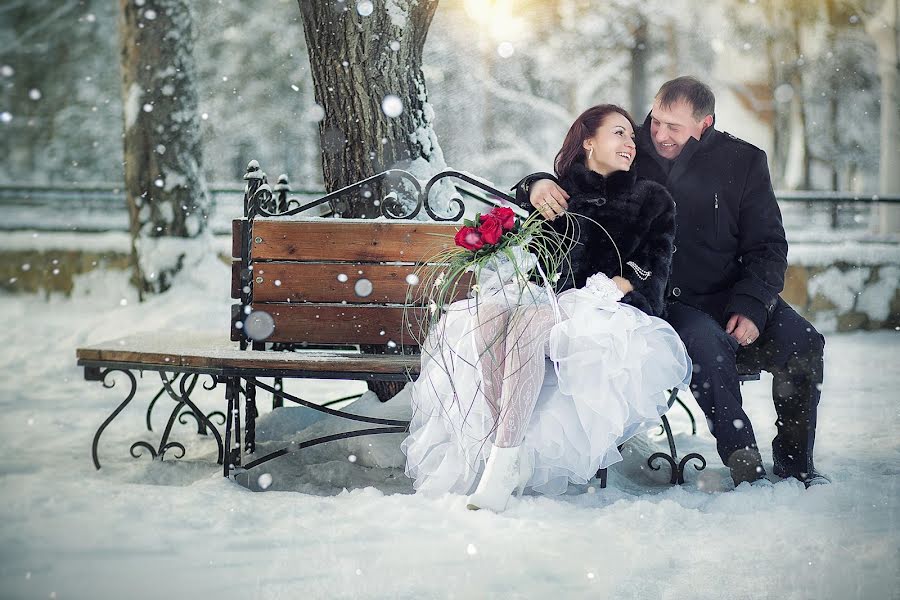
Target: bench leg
[
  {"x": 278, "y": 401},
  {"x": 232, "y": 387},
  {"x": 182, "y": 398},
  {"x": 236, "y": 426},
  {"x": 673, "y": 398},
  {"x": 676, "y": 466},
  {"x": 601, "y": 475},
  {"x": 162, "y": 390},
  {"x": 204, "y": 422},
  {"x": 250, "y": 414},
  {"x": 101, "y": 376}
]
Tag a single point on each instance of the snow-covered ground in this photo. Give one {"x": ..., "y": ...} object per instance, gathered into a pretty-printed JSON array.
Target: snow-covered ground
[{"x": 177, "y": 529}]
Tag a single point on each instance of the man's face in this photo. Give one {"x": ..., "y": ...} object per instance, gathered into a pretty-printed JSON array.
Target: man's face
[{"x": 673, "y": 126}]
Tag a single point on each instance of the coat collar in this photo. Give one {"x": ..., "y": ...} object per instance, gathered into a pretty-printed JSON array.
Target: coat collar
[
  {"x": 581, "y": 180},
  {"x": 675, "y": 169}
]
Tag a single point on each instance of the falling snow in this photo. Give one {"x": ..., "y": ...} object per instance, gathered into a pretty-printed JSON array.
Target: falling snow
[
  {"x": 104, "y": 531},
  {"x": 392, "y": 105},
  {"x": 365, "y": 7}
]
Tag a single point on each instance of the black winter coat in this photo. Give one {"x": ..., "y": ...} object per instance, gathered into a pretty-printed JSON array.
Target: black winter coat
[
  {"x": 730, "y": 251},
  {"x": 639, "y": 216}
]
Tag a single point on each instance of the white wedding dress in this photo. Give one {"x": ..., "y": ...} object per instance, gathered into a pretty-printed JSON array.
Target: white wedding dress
[{"x": 568, "y": 377}]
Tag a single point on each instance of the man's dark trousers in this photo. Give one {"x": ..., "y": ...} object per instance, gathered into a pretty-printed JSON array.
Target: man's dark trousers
[{"x": 789, "y": 348}]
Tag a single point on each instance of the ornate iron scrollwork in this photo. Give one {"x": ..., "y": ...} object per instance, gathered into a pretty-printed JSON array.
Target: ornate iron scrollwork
[
  {"x": 234, "y": 464},
  {"x": 182, "y": 399},
  {"x": 461, "y": 208},
  {"x": 677, "y": 468},
  {"x": 162, "y": 390},
  {"x": 185, "y": 399},
  {"x": 115, "y": 413},
  {"x": 672, "y": 458},
  {"x": 201, "y": 425},
  {"x": 154, "y": 453},
  {"x": 260, "y": 199}
]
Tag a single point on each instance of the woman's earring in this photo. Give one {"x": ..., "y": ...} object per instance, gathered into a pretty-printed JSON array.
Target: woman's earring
[{"x": 591, "y": 153}]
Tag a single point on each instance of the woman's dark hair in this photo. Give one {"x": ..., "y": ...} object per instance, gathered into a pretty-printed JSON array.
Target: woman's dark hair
[{"x": 585, "y": 126}]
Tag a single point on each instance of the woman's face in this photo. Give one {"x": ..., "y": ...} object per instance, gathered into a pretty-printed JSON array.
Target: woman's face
[{"x": 612, "y": 144}]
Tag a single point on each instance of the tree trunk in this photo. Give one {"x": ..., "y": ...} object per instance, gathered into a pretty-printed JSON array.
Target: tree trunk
[
  {"x": 366, "y": 68},
  {"x": 673, "y": 66},
  {"x": 779, "y": 119},
  {"x": 639, "y": 54},
  {"x": 831, "y": 42},
  {"x": 797, "y": 82},
  {"x": 884, "y": 29},
  {"x": 164, "y": 184}
]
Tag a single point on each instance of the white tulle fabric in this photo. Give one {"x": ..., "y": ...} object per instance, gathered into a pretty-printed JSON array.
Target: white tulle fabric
[{"x": 568, "y": 377}]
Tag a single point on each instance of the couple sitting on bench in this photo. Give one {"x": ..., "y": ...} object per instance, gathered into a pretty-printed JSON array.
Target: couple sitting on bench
[{"x": 490, "y": 416}]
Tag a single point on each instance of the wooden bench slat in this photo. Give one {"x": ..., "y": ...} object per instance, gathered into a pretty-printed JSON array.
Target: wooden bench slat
[
  {"x": 212, "y": 351},
  {"x": 349, "y": 240},
  {"x": 322, "y": 282},
  {"x": 237, "y": 226},
  {"x": 319, "y": 282},
  {"x": 236, "y": 279},
  {"x": 339, "y": 324}
]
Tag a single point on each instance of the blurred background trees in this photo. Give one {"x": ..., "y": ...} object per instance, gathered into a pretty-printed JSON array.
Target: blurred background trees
[
  {"x": 165, "y": 186},
  {"x": 505, "y": 78}
]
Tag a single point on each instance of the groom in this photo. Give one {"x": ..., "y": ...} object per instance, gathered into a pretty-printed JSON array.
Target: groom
[{"x": 727, "y": 272}]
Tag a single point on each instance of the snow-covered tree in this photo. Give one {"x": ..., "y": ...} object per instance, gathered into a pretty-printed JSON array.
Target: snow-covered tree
[
  {"x": 525, "y": 73},
  {"x": 823, "y": 85},
  {"x": 841, "y": 100},
  {"x": 882, "y": 23},
  {"x": 366, "y": 60},
  {"x": 165, "y": 187},
  {"x": 256, "y": 100},
  {"x": 58, "y": 92},
  {"x": 777, "y": 27}
]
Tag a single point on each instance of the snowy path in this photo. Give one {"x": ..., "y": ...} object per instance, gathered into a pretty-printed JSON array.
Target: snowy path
[{"x": 142, "y": 529}]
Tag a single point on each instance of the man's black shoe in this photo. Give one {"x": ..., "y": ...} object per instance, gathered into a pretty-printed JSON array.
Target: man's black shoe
[
  {"x": 808, "y": 479},
  {"x": 746, "y": 465}
]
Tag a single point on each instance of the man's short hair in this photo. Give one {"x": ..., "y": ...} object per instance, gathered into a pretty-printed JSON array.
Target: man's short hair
[{"x": 691, "y": 90}]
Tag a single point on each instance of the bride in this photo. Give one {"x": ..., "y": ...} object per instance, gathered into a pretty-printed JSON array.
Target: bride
[{"x": 490, "y": 413}]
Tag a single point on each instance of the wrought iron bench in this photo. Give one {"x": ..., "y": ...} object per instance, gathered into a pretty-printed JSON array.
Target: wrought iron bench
[
  {"x": 318, "y": 298},
  {"x": 331, "y": 283}
]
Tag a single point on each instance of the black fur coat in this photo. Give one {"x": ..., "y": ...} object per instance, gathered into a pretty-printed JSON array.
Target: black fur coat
[{"x": 639, "y": 215}]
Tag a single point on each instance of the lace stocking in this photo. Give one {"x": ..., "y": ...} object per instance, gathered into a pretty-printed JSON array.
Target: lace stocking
[
  {"x": 490, "y": 343},
  {"x": 510, "y": 342}
]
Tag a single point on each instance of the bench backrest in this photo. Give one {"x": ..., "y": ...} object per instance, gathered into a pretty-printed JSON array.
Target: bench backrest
[{"x": 334, "y": 281}]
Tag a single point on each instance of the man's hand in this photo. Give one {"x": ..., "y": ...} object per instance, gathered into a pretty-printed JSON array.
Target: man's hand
[
  {"x": 742, "y": 329},
  {"x": 623, "y": 284},
  {"x": 548, "y": 198}
]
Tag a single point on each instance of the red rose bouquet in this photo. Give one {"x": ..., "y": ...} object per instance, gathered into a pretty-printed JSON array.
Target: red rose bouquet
[
  {"x": 500, "y": 241},
  {"x": 487, "y": 230}
]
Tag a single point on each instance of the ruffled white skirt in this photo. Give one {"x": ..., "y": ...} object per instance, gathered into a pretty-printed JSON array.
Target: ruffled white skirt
[{"x": 606, "y": 371}]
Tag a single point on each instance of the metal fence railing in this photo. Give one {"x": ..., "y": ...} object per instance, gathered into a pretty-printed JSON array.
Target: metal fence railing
[{"x": 94, "y": 208}]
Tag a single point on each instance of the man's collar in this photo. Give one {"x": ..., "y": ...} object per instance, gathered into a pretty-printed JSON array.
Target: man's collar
[{"x": 645, "y": 144}]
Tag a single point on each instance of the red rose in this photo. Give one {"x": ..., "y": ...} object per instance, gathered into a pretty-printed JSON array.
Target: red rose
[
  {"x": 469, "y": 238},
  {"x": 506, "y": 216},
  {"x": 491, "y": 229}
]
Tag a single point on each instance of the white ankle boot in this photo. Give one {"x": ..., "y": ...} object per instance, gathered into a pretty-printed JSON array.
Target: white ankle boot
[{"x": 506, "y": 469}]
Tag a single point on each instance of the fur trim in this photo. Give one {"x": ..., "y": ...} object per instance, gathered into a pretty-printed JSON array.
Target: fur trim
[{"x": 639, "y": 216}]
